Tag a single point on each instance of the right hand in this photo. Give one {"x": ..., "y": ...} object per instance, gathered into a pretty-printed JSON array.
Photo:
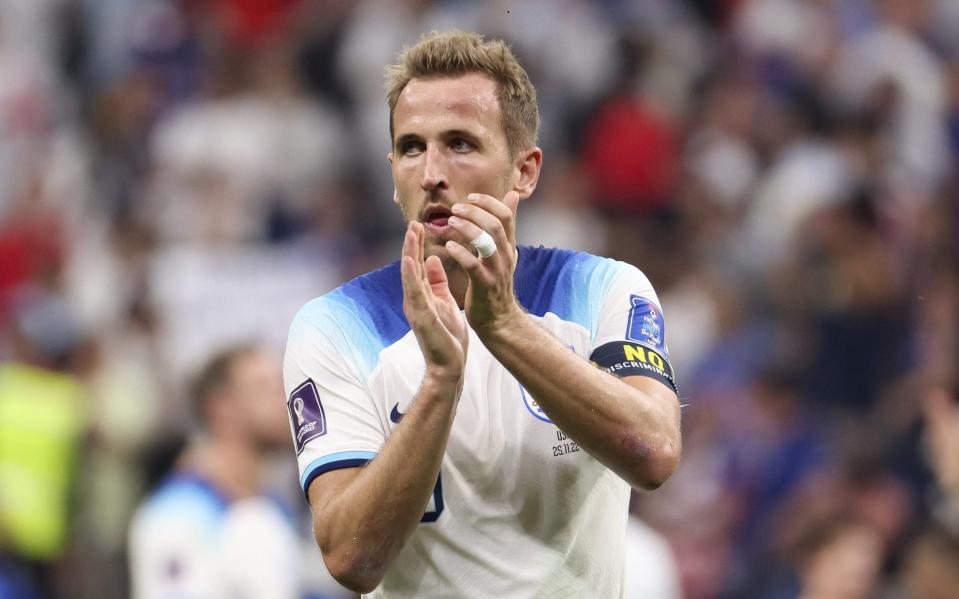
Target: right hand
[{"x": 430, "y": 308}]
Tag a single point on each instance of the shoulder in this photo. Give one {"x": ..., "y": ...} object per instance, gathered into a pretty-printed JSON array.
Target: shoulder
[
  {"x": 369, "y": 300},
  {"x": 358, "y": 318},
  {"x": 561, "y": 280},
  {"x": 182, "y": 503}
]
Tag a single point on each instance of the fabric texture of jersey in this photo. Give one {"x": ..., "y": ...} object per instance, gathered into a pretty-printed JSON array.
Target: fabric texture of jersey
[
  {"x": 519, "y": 509},
  {"x": 188, "y": 541}
]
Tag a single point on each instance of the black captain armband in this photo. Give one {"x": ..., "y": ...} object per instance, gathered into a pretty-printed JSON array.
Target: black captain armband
[{"x": 623, "y": 358}]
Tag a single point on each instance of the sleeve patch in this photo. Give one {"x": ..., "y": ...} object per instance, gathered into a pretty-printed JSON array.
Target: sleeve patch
[
  {"x": 306, "y": 415},
  {"x": 645, "y": 324},
  {"x": 622, "y": 358}
]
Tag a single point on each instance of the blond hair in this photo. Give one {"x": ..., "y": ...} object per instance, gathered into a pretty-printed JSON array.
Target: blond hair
[{"x": 458, "y": 53}]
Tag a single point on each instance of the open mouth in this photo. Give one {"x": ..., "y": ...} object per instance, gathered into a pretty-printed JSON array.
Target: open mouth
[{"x": 436, "y": 219}]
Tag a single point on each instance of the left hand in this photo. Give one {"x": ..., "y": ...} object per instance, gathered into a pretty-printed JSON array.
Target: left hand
[{"x": 490, "y": 300}]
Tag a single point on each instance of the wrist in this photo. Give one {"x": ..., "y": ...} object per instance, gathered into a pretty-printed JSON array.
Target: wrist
[
  {"x": 442, "y": 379},
  {"x": 502, "y": 325}
]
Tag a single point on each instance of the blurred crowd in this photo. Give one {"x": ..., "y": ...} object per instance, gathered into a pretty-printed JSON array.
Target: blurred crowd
[{"x": 180, "y": 175}]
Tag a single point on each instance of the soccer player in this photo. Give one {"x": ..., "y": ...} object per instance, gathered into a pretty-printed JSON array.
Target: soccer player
[
  {"x": 469, "y": 420},
  {"x": 208, "y": 530}
]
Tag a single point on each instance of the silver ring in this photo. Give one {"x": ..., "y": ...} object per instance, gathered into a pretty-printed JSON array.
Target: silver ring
[{"x": 484, "y": 245}]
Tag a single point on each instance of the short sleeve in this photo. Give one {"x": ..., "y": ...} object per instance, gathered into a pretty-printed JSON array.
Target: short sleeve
[
  {"x": 333, "y": 419},
  {"x": 630, "y": 336}
]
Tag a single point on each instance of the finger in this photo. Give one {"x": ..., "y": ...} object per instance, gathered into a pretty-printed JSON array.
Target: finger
[
  {"x": 421, "y": 244},
  {"x": 410, "y": 267},
  {"x": 414, "y": 298},
  {"x": 467, "y": 261},
  {"x": 510, "y": 201},
  {"x": 464, "y": 231},
  {"x": 484, "y": 220},
  {"x": 492, "y": 205},
  {"x": 436, "y": 278},
  {"x": 417, "y": 246},
  {"x": 504, "y": 210}
]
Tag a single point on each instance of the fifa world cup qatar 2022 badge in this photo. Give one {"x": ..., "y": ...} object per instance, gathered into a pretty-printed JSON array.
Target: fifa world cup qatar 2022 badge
[{"x": 306, "y": 415}]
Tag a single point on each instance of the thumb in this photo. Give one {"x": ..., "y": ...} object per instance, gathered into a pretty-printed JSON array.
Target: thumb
[
  {"x": 436, "y": 277},
  {"x": 511, "y": 199}
]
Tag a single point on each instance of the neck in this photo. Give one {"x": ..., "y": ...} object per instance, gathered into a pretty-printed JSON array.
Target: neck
[{"x": 233, "y": 468}]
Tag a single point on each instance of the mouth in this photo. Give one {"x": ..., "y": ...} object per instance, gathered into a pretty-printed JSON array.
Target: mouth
[{"x": 436, "y": 220}]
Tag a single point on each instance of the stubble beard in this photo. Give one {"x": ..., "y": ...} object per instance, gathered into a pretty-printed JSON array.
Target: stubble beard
[{"x": 438, "y": 248}]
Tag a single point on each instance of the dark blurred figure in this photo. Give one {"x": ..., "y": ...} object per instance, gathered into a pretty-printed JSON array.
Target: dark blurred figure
[{"x": 853, "y": 281}]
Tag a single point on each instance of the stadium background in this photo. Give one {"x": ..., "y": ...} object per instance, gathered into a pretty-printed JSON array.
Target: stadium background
[{"x": 176, "y": 175}]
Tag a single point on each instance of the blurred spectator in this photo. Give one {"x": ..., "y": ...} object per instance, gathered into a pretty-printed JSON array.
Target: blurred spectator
[
  {"x": 838, "y": 558},
  {"x": 931, "y": 570},
  {"x": 43, "y": 411},
  {"x": 651, "y": 571},
  {"x": 210, "y": 529}
]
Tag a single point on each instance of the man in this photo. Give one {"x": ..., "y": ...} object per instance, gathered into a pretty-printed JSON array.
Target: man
[
  {"x": 453, "y": 437},
  {"x": 209, "y": 531}
]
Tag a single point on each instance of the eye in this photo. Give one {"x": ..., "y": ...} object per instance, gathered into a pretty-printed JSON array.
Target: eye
[
  {"x": 411, "y": 147},
  {"x": 461, "y": 145}
]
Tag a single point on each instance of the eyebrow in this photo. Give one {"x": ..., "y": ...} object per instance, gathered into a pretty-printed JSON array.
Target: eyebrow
[
  {"x": 402, "y": 139},
  {"x": 406, "y": 137}
]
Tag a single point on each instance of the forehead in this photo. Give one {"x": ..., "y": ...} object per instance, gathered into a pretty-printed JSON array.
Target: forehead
[
  {"x": 254, "y": 363},
  {"x": 447, "y": 102}
]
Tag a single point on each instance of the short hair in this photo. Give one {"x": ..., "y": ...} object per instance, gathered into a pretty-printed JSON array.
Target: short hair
[
  {"x": 459, "y": 53},
  {"x": 216, "y": 374}
]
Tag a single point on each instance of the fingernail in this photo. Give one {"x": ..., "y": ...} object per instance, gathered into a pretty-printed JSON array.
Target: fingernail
[
  {"x": 453, "y": 221},
  {"x": 457, "y": 207},
  {"x": 472, "y": 197}
]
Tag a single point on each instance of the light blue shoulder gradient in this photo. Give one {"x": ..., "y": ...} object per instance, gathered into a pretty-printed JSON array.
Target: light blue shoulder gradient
[
  {"x": 187, "y": 500},
  {"x": 583, "y": 284},
  {"x": 347, "y": 325}
]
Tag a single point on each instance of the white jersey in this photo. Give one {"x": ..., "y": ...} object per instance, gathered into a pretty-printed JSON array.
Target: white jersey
[
  {"x": 519, "y": 510},
  {"x": 187, "y": 541}
]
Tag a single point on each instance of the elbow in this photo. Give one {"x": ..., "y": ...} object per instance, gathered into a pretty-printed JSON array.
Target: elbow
[
  {"x": 353, "y": 571},
  {"x": 351, "y": 564},
  {"x": 651, "y": 465}
]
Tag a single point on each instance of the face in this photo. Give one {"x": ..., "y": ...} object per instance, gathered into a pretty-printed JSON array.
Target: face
[
  {"x": 256, "y": 390},
  {"x": 448, "y": 142}
]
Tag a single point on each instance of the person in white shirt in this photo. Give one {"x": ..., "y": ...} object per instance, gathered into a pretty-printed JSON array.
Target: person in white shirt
[
  {"x": 210, "y": 530},
  {"x": 468, "y": 421}
]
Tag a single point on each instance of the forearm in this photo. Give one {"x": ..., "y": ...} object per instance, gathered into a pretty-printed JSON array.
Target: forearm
[
  {"x": 632, "y": 432},
  {"x": 362, "y": 528}
]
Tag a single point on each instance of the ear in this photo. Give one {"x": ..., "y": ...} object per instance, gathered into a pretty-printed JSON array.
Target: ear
[
  {"x": 396, "y": 194},
  {"x": 527, "y": 167}
]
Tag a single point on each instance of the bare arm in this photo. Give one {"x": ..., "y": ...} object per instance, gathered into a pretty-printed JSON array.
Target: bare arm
[
  {"x": 362, "y": 517},
  {"x": 631, "y": 424}
]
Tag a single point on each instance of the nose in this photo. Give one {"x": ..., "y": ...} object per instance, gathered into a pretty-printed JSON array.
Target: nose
[{"x": 434, "y": 169}]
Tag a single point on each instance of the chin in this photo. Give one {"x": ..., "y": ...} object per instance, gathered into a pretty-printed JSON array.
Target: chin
[{"x": 440, "y": 251}]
